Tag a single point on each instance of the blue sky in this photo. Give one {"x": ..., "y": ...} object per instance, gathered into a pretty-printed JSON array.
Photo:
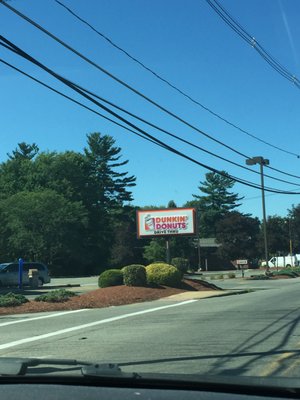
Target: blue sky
[{"x": 187, "y": 43}]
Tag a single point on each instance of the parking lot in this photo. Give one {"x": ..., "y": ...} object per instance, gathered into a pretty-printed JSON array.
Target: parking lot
[
  {"x": 80, "y": 285},
  {"x": 77, "y": 285}
]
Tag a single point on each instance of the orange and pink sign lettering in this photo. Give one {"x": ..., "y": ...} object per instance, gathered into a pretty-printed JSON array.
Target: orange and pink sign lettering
[{"x": 166, "y": 222}]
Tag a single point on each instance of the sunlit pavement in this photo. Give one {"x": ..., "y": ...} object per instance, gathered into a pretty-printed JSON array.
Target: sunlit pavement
[
  {"x": 243, "y": 283},
  {"x": 251, "y": 334}
]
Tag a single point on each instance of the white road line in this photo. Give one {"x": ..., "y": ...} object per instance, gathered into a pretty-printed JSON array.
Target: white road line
[
  {"x": 19, "y": 321},
  {"x": 89, "y": 325}
]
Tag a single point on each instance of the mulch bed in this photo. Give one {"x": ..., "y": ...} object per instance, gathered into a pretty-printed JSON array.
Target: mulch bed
[
  {"x": 111, "y": 296},
  {"x": 271, "y": 277},
  {"x": 282, "y": 276}
]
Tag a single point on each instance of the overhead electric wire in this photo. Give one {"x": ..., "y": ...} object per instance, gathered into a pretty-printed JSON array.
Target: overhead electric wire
[
  {"x": 127, "y": 85},
  {"x": 254, "y": 42},
  {"x": 257, "y": 197},
  {"x": 179, "y": 138},
  {"x": 94, "y": 64},
  {"x": 73, "y": 100},
  {"x": 234, "y": 25},
  {"x": 111, "y": 42},
  {"x": 136, "y": 117},
  {"x": 17, "y": 50}
]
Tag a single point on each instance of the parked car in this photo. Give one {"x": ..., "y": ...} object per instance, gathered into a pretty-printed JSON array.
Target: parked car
[{"x": 9, "y": 273}]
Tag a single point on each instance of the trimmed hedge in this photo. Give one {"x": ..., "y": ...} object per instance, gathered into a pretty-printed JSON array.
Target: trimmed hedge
[
  {"x": 163, "y": 274},
  {"x": 134, "y": 275},
  {"x": 110, "y": 277},
  {"x": 56, "y": 296},
  {"x": 12, "y": 300}
]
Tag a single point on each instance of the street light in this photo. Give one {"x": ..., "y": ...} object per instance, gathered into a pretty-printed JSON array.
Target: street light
[{"x": 262, "y": 161}]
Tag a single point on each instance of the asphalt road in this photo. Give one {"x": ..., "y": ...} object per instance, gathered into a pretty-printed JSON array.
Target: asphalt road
[{"x": 251, "y": 334}]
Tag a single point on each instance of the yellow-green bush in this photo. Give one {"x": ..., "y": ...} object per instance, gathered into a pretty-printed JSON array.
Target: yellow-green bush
[{"x": 163, "y": 274}]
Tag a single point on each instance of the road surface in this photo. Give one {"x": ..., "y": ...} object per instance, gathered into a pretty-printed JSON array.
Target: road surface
[{"x": 251, "y": 334}]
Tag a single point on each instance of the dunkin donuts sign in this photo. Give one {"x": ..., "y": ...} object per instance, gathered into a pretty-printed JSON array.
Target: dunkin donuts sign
[{"x": 166, "y": 222}]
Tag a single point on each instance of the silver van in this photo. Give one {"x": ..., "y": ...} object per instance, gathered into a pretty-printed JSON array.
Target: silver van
[{"x": 9, "y": 273}]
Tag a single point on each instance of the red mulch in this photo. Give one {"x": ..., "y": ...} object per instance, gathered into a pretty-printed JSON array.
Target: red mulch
[
  {"x": 282, "y": 276},
  {"x": 111, "y": 296}
]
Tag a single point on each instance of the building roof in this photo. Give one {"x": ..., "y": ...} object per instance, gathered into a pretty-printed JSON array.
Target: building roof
[{"x": 209, "y": 242}]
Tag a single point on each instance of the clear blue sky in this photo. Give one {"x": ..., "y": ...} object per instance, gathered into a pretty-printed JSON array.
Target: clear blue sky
[{"x": 188, "y": 44}]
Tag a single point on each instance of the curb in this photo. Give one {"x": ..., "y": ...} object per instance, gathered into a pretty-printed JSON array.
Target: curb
[
  {"x": 181, "y": 296},
  {"x": 68, "y": 285},
  {"x": 232, "y": 293}
]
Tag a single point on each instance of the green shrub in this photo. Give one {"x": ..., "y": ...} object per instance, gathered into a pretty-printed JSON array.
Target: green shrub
[
  {"x": 182, "y": 264},
  {"x": 12, "y": 300},
  {"x": 231, "y": 275},
  {"x": 295, "y": 271},
  {"x": 259, "y": 277},
  {"x": 134, "y": 275},
  {"x": 285, "y": 272},
  {"x": 56, "y": 296},
  {"x": 163, "y": 274},
  {"x": 110, "y": 277}
]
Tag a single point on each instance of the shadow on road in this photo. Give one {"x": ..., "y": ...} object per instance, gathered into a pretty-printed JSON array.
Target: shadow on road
[
  {"x": 210, "y": 357},
  {"x": 245, "y": 357},
  {"x": 275, "y": 334}
]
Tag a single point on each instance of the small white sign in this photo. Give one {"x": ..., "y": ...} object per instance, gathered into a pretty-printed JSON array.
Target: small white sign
[{"x": 242, "y": 262}]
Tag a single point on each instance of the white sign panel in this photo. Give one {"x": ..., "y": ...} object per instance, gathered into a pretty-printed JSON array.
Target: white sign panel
[
  {"x": 242, "y": 262},
  {"x": 166, "y": 222}
]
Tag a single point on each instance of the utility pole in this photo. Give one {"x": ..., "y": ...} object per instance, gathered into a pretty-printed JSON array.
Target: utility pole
[
  {"x": 262, "y": 161},
  {"x": 290, "y": 237}
]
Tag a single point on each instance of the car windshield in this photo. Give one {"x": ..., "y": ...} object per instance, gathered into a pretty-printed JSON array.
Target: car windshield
[{"x": 149, "y": 184}]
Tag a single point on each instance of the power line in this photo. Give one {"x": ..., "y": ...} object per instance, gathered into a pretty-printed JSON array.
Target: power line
[
  {"x": 111, "y": 42},
  {"x": 127, "y": 85},
  {"x": 138, "y": 118},
  {"x": 179, "y": 138},
  {"x": 236, "y": 27},
  {"x": 258, "y": 197},
  {"x": 73, "y": 100},
  {"x": 23, "y": 54},
  {"x": 119, "y": 80},
  {"x": 122, "y": 82}
]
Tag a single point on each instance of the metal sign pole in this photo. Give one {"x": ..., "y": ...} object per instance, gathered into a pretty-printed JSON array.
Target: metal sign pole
[
  {"x": 20, "y": 273},
  {"x": 168, "y": 252}
]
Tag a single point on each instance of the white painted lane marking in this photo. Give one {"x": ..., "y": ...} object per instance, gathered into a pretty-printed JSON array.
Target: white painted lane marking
[
  {"x": 89, "y": 325},
  {"x": 19, "y": 321}
]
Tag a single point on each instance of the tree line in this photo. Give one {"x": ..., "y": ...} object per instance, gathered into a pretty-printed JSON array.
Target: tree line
[{"x": 73, "y": 211}]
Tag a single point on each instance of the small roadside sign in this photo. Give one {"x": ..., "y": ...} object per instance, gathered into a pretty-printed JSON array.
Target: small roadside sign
[
  {"x": 242, "y": 262},
  {"x": 241, "y": 265}
]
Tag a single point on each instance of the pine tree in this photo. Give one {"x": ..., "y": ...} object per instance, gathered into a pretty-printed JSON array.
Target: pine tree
[
  {"x": 110, "y": 186},
  {"x": 216, "y": 203},
  {"x": 218, "y": 197}
]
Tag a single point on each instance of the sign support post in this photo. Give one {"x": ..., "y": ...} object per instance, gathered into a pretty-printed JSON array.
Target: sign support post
[
  {"x": 199, "y": 254},
  {"x": 242, "y": 264},
  {"x": 168, "y": 251},
  {"x": 20, "y": 273}
]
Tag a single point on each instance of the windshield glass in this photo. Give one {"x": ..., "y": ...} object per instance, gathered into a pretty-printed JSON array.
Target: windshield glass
[{"x": 149, "y": 184}]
